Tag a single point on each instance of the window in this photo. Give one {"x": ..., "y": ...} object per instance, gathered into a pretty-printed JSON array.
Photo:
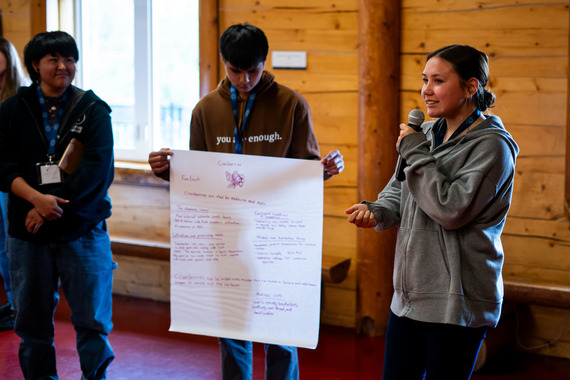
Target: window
[{"x": 142, "y": 58}]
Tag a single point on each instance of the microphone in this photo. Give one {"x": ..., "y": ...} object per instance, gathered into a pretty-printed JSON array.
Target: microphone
[{"x": 415, "y": 120}]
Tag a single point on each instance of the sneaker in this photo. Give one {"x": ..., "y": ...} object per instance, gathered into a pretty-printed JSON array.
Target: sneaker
[
  {"x": 7, "y": 323},
  {"x": 5, "y": 310}
]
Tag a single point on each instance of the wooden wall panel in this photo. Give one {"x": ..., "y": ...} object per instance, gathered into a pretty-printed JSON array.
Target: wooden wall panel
[
  {"x": 421, "y": 6},
  {"x": 209, "y": 54},
  {"x": 313, "y": 16},
  {"x": 497, "y": 43},
  {"x": 38, "y": 16},
  {"x": 140, "y": 212},
  {"x": 327, "y": 72},
  {"x": 528, "y": 246},
  {"x": 538, "y": 326},
  {"x": 486, "y": 14},
  {"x": 337, "y": 303},
  {"x": 261, "y": 5},
  {"x": 16, "y": 23},
  {"x": 333, "y": 116}
]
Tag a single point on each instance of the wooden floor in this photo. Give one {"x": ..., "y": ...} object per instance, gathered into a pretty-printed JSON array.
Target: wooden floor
[{"x": 145, "y": 349}]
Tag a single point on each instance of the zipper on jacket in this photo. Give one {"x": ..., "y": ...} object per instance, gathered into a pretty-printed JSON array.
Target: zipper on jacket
[{"x": 40, "y": 130}]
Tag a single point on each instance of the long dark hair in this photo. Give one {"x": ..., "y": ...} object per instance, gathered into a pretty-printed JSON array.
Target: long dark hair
[
  {"x": 468, "y": 63},
  {"x": 15, "y": 77}
]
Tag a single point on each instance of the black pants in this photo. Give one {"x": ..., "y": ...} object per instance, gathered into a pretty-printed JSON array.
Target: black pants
[{"x": 417, "y": 350}]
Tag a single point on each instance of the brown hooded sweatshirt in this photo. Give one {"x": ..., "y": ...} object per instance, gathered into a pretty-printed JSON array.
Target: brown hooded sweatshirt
[{"x": 279, "y": 123}]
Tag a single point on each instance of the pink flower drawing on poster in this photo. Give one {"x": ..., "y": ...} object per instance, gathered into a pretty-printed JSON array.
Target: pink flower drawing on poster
[{"x": 235, "y": 179}]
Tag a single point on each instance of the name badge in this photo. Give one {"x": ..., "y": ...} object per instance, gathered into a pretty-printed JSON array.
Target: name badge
[{"x": 48, "y": 172}]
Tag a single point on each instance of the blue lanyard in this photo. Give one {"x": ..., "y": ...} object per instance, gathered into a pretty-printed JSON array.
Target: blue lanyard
[
  {"x": 51, "y": 131},
  {"x": 237, "y": 134},
  {"x": 440, "y": 134}
]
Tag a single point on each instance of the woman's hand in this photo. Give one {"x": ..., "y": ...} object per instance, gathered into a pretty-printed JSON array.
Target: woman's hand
[
  {"x": 361, "y": 216},
  {"x": 159, "y": 161},
  {"x": 405, "y": 130}
]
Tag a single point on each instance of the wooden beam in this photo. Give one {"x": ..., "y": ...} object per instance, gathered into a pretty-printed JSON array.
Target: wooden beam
[
  {"x": 208, "y": 45},
  {"x": 529, "y": 291},
  {"x": 334, "y": 269},
  {"x": 38, "y": 16},
  {"x": 140, "y": 248},
  {"x": 567, "y": 171},
  {"x": 379, "y": 76}
]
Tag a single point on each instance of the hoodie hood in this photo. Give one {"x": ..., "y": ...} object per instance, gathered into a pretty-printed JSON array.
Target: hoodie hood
[
  {"x": 492, "y": 125},
  {"x": 266, "y": 81}
]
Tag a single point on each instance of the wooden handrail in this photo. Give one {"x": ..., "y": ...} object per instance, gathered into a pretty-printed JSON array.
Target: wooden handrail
[{"x": 529, "y": 291}]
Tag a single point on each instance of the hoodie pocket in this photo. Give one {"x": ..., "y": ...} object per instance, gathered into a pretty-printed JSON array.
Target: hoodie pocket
[{"x": 426, "y": 268}]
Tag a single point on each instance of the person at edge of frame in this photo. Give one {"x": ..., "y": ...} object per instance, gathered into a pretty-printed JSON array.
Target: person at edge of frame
[{"x": 12, "y": 77}]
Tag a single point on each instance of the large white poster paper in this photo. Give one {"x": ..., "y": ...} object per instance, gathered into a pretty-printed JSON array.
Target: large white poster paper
[{"x": 246, "y": 244}]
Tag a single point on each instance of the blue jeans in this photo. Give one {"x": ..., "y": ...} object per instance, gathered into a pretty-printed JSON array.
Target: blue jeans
[
  {"x": 4, "y": 262},
  {"x": 415, "y": 350},
  {"x": 281, "y": 362},
  {"x": 85, "y": 269}
]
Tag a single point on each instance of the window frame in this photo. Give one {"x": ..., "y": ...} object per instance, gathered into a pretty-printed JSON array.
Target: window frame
[{"x": 64, "y": 15}]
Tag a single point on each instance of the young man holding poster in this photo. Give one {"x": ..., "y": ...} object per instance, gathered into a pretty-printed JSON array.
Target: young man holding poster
[{"x": 252, "y": 114}]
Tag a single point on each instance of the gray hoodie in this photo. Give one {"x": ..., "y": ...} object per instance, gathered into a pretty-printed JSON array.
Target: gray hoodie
[{"x": 451, "y": 210}]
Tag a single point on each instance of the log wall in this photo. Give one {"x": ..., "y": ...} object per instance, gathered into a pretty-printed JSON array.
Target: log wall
[{"x": 17, "y": 22}]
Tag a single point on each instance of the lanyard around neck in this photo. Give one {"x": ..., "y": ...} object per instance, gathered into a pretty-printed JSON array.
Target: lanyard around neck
[
  {"x": 238, "y": 132},
  {"x": 439, "y": 136},
  {"x": 51, "y": 131}
]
